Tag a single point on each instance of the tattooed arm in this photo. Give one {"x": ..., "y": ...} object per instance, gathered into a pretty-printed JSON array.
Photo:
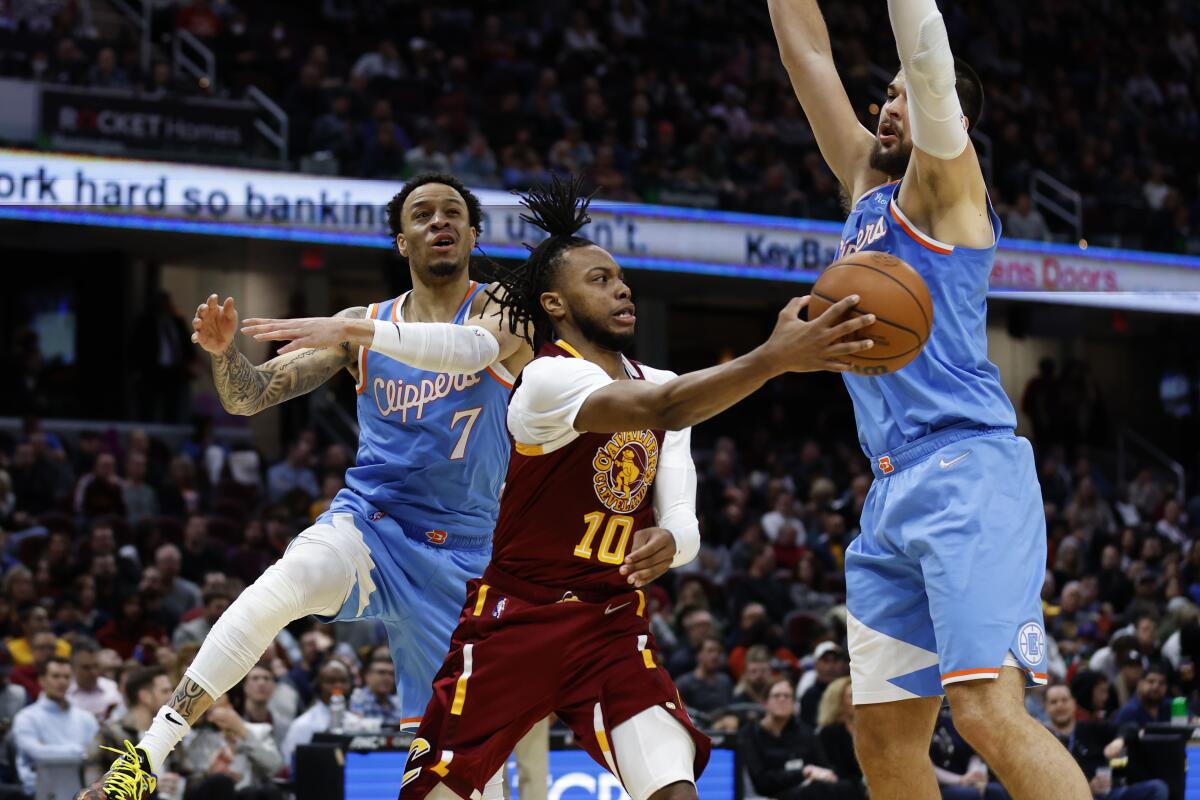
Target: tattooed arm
[{"x": 246, "y": 389}]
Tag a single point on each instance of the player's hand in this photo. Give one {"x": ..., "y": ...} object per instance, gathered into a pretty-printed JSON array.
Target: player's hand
[
  {"x": 214, "y": 324},
  {"x": 310, "y": 332},
  {"x": 817, "y": 774},
  {"x": 797, "y": 345},
  {"x": 653, "y": 551}
]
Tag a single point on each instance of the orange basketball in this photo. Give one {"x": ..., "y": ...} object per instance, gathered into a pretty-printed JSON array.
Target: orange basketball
[{"x": 891, "y": 290}]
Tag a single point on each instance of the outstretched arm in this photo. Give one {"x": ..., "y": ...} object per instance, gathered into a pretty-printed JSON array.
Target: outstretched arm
[
  {"x": 434, "y": 346},
  {"x": 807, "y": 55},
  {"x": 943, "y": 191},
  {"x": 246, "y": 389},
  {"x": 794, "y": 346}
]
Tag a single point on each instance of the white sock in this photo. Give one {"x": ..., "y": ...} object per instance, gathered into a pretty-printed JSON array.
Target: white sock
[{"x": 166, "y": 731}]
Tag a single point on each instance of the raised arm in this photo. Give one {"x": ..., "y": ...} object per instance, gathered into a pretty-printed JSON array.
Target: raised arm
[
  {"x": 804, "y": 47},
  {"x": 944, "y": 192},
  {"x": 246, "y": 389},
  {"x": 794, "y": 346}
]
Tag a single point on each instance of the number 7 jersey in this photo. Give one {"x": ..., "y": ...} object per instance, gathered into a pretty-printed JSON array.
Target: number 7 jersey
[
  {"x": 432, "y": 448},
  {"x": 572, "y": 501}
]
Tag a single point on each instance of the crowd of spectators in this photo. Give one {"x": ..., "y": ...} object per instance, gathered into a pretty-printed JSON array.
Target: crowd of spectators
[
  {"x": 119, "y": 553},
  {"x": 677, "y": 102}
]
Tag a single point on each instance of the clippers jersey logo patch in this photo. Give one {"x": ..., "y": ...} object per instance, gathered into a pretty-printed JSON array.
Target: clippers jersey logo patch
[
  {"x": 625, "y": 467},
  {"x": 885, "y": 465},
  {"x": 1032, "y": 642},
  {"x": 436, "y": 537}
]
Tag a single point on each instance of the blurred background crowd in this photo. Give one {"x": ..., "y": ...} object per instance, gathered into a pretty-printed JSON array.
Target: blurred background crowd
[{"x": 669, "y": 101}]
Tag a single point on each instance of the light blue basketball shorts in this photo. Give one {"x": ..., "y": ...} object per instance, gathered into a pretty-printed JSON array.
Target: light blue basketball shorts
[
  {"x": 414, "y": 582},
  {"x": 944, "y": 582}
]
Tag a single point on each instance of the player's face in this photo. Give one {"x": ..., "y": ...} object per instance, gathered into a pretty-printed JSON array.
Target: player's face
[
  {"x": 436, "y": 234},
  {"x": 590, "y": 292},
  {"x": 893, "y": 145}
]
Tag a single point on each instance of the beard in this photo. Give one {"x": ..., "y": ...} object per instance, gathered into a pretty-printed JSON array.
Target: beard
[
  {"x": 443, "y": 269},
  {"x": 599, "y": 335},
  {"x": 892, "y": 163}
]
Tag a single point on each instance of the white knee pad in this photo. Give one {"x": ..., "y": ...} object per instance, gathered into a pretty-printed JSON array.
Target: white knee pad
[
  {"x": 653, "y": 750},
  {"x": 314, "y": 576}
]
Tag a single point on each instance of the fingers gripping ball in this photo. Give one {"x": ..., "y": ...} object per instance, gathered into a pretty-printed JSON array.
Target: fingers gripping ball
[{"x": 891, "y": 290}]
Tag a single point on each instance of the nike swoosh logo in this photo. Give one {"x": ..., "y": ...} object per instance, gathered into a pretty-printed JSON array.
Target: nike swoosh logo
[
  {"x": 171, "y": 718},
  {"x": 611, "y": 609},
  {"x": 944, "y": 464}
]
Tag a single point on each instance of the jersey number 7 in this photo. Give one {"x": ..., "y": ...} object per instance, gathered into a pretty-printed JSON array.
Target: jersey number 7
[{"x": 470, "y": 415}]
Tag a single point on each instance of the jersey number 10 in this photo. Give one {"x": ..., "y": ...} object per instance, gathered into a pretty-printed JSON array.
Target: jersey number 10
[{"x": 612, "y": 544}]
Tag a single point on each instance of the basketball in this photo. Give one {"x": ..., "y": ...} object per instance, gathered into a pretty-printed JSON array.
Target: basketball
[{"x": 891, "y": 290}]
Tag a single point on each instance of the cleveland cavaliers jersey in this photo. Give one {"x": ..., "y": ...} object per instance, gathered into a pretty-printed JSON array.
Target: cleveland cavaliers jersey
[
  {"x": 572, "y": 504},
  {"x": 952, "y": 382},
  {"x": 432, "y": 448}
]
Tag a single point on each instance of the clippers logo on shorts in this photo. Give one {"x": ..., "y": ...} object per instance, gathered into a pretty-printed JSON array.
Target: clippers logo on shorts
[
  {"x": 885, "y": 465},
  {"x": 1032, "y": 642},
  {"x": 436, "y": 537},
  {"x": 625, "y": 467}
]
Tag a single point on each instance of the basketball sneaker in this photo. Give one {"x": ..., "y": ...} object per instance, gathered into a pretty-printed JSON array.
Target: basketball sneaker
[{"x": 129, "y": 777}]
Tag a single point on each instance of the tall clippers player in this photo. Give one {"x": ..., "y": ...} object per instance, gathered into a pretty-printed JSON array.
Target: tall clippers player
[
  {"x": 601, "y": 451},
  {"x": 943, "y": 584}
]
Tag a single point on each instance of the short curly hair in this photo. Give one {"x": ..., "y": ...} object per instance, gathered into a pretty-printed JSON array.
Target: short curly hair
[{"x": 395, "y": 206}]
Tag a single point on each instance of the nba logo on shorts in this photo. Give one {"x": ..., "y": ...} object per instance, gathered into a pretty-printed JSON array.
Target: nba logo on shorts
[
  {"x": 1032, "y": 642},
  {"x": 436, "y": 537},
  {"x": 499, "y": 608},
  {"x": 885, "y": 465},
  {"x": 376, "y": 516}
]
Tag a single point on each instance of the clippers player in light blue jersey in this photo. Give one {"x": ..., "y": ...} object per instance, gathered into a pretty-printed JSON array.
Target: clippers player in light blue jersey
[
  {"x": 943, "y": 584},
  {"x": 415, "y": 520}
]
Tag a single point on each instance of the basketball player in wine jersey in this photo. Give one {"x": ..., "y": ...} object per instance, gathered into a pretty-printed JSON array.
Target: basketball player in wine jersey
[
  {"x": 943, "y": 584},
  {"x": 598, "y": 501}
]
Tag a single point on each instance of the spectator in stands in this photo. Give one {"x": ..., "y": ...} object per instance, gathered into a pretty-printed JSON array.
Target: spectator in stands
[
  {"x": 139, "y": 498},
  {"x": 756, "y": 628},
  {"x": 99, "y": 492},
  {"x": 147, "y": 689},
  {"x": 1093, "y": 694},
  {"x": 781, "y": 515},
  {"x": 829, "y": 663},
  {"x": 426, "y": 157},
  {"x": 1088, "y": 510},
  {"x": 179, "y": 594},
  {"x": 130, "y": 630},
  {"x": 1026, "y": 222},
  {"x": 697, "y": 626},
  {"x": 708, "y": 687},
  {"x": 377, "y": 698},
  {"x": 91, "y": 691},
  {"x": 34, "y": 620},
  {"x": 382, "y": 62},
  {"x": 1150, "y": 704},
  {"x": 961, "y": 774},
  {"x": 784, "y": 758},
  {"x": 333, "y": 677},
  {"x": 758, "y": 584},
  {"x": 293, "y": 473},
  {"x": 1172, "y": 526},
  {"x": 42, "y": 649},
  {"x": 225, "y": 754},
  {"x": 51, "y": 726},
  {"x": 835, "y": 729},
  {"x": 475, "y": 164},
  {"x": 756, "y": 677},
  {"x": 1094, "y": 745},
  {"x": 194, "y": 631},
  {"x": 106, "y": 73},
  {"x": 199, "y": 19},
  {"x": 258, "y": 702},
  {"x": 201, "y": 557}
]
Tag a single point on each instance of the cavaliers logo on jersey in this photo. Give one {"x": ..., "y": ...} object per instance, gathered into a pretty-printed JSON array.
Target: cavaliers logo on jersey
[{"x": 625, "y": 467}]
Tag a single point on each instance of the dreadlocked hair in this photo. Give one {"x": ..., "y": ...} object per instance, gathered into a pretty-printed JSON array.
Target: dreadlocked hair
[{"x": 560, "y": 209}]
